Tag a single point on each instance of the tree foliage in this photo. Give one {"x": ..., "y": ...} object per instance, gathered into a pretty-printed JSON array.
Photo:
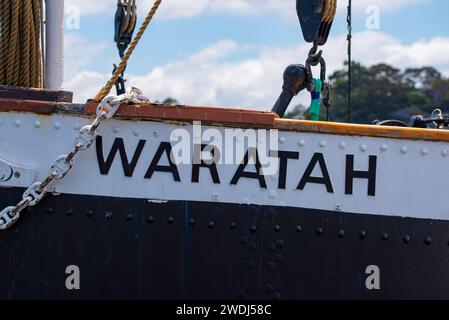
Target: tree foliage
[{"x": 382, "y": 92}]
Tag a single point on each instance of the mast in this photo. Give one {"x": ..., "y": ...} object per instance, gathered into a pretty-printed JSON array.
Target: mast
[
  {"x": 54, "y": 44},
  {"x": 349, "y": 20}
]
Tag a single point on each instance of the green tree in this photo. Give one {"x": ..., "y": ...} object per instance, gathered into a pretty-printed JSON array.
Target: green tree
[
  {"x": 296, "y": 112},
  {"x": 382, "y": 92}
]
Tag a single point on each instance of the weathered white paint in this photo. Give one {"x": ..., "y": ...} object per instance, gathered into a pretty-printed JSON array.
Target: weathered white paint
[
  {"x": 410, "y": 184},
  {"x": 15, "y": 175},
  {"x": 54, "y": 44}
]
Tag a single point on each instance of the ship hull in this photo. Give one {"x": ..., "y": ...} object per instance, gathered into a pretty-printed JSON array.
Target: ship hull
[
  {"x": 135, "y": 249},
  {"x": 338, "y": 212}
]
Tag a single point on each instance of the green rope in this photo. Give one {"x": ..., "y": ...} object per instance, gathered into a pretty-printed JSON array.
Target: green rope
[{"x": 315, "y": 105}]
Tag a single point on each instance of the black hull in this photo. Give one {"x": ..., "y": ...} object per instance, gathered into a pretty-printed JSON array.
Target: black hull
[{"x": 133, "y": 249}]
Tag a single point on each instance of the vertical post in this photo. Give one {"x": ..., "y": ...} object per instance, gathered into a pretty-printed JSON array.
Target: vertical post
[
  {"x": 349, "y": 20},
  {"x": 54, "y": 44}
]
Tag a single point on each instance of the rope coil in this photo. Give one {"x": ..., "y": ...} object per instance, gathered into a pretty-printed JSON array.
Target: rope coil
[{"x": 20, "y": 46}]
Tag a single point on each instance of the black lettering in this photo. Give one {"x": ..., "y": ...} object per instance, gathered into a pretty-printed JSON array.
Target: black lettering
[
  {"x": 241, "y": 173},
  {"x": 283, "y": 164},
  {"x": 212, "y": 166},
  {"x": 164, "y": 147},
  {"x": 118, "y": 146},
  {"x": 317, "y": 158},
  {"x": 352, "y": 174}
]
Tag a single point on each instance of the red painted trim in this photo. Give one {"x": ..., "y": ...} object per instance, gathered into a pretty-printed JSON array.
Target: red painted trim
[
  {"x": 156, "y": 112},
  {"x": 40, "y": 107},
  {"x": 191, "y": 113}
]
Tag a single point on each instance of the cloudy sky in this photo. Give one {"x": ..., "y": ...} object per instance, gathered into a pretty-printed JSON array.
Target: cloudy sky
[{"x": 233, "y": 52}]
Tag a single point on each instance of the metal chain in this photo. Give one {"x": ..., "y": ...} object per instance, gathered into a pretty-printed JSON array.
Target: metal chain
[{"x": 64, "y": 163}]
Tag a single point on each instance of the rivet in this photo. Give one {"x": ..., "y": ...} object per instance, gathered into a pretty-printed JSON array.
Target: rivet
[
  {"x": 136, "y": 132},
  {"x": 233, "y": 225},
  {"x": 424, "y": 151},
  {"x": 17, "y": 123},
  {"x": 338, "y": 208},
  {"x": 385, "y": 237},
  {"x": 270, "y": 266},
  {"x": 191, "y": 221},
  {"x": 277, "y": 296},
  {"x": 89, "y": 213},
  {"x": 170, "y": 220},
  {"x": 268, "y": 288},
  {"x": 384, "y": 147},
  {"x": 301, "y": 143},
  {"x": 116, "y": 129},
  {"x": 278, "y": 257},
  {"x": 341, "y": 233},
  {"x": 282, "y": 139},
  {"x": 211, "y": 224},
  {"x": 272, "y": 194},
  {"x": 248, "y": 287},
  {"x": 277, "y": 228},
  {"x": 49, "y": 210},
  {"x": 129, "y": 217},
  {"x": 322, "y": 144},
  {"x": 428, "y": 240},
  {"x": 250, "y": 265},
  {"x": 279, "y": 244},
  {"x": 37, "y": 124},
  {"x": 215, "y": 196},
  {"x": 298, "y": 229},
  {"x": 69, "y": 212},
  {"x": 156, "y": 134},
  {"x": 271, "y": 247},
  {"x": 363, "y": 234},
  {"x": 150, "y": 219},
  {"x": 406, "y": 238},
  {"x": 243, "y": 240},
  {"x": 445, "y": 153},
  {"x": 319, "y": 231},
  {"x": 109, "y": 215},
  {"x": 244, "y": 255},
  {"x": 57, "y": 125},
  {"x": 404, "y": 150},
  {"x": 17, "y": 174},
  {"x": 363, "y": 148},
  {"x": 342, "y": 145},
  {"x": 253, "y": 229},
  {"x": 252, "y": 246}
]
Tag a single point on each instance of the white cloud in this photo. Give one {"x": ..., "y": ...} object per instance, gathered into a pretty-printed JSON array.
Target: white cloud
[
  {"x": 88, "y": 7},
  {"x": 76, "y": 47},
  {"x": 172, "y": 9},
  {"x": 384, "y": 5},
  {"x": 209, "y": 78}
]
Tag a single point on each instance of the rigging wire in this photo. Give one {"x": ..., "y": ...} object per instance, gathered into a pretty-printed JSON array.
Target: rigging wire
[{"x": 349, "y": 21}]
